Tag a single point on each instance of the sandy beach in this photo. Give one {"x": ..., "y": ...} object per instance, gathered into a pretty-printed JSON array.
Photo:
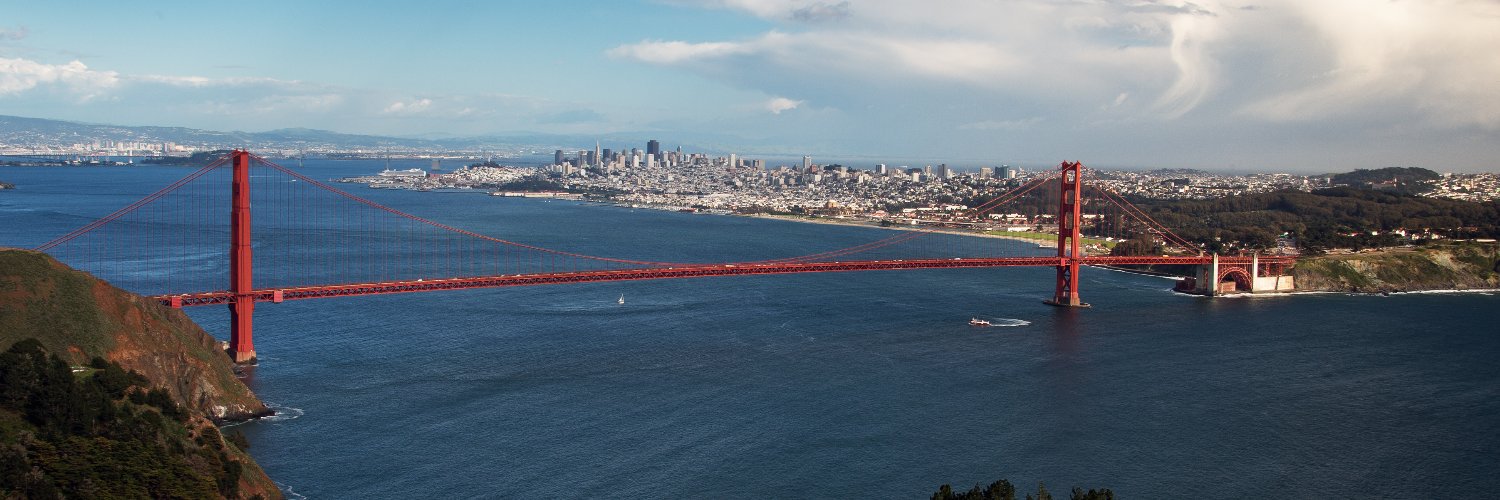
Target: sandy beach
[{"x": 864, "y": 223}]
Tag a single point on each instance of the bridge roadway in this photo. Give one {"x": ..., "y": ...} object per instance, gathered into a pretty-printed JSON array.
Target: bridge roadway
[{"x": 707, "y": 270}]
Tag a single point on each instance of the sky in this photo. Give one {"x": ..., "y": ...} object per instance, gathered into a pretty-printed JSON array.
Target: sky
[{"x": 1282, "y": 85}]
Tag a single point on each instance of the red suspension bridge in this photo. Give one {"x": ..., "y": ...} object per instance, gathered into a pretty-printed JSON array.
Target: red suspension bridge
[{"x": 168, "y": 245}]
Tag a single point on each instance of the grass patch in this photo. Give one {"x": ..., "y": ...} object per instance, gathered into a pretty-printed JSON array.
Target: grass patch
[
  {"x": 51, "y": 303},
  {"x": 1410, "y": 268},
  {"x": 1336, "y": 270}
]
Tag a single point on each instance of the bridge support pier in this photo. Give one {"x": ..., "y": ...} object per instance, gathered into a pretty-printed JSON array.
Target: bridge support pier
[
  {"x": 1216, "y": 278},
  {"x": 242, "y": 309},
  {"x": 1069, "y": 216}
]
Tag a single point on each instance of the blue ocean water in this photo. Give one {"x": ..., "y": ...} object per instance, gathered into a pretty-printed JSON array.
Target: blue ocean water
[{"x": 848, "y": 385}]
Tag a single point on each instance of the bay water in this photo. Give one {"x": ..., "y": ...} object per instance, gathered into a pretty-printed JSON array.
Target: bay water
[{"x": 867, "y": 384}]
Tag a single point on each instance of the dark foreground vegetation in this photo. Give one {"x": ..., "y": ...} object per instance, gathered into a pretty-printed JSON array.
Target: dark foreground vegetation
[
  {"x": 1003, "y": 490},
  {"x": 101, "y": 432}
]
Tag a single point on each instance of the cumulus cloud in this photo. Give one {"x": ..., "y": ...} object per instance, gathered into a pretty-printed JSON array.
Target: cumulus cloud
[
  {"x": 778, "y": 104},
  {"x": 1430, "y": 60},
  {"x": 22, "y": 75},
  {"x": 1274, "y": 61}
]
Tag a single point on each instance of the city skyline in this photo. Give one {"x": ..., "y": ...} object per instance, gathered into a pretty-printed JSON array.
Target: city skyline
[{"x": 1216, "y": 85}]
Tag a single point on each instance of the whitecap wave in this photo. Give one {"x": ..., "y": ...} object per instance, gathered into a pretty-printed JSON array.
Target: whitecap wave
[
  {"x": 1481, "y": 291},
  {"x": 286, "y": 489},
  {"x": 283, "y": 413}
]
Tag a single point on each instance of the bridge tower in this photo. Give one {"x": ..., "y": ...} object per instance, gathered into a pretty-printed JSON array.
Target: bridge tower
[
  {"x": 1069, "y": 217},
  {"x": 242, "y": 309}
]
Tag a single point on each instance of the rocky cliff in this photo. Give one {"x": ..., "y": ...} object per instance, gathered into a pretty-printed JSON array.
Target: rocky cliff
[
  {"x": 1448, "y": 267},
  {"x": 78, "y": 318}
]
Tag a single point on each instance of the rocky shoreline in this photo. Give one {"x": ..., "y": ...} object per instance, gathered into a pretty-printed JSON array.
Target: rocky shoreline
[{"x": 1453, "y": 267}]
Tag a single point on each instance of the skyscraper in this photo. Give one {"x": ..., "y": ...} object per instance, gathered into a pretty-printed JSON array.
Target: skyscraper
[
  {"x": 807, "y": 163},
  {"x": 598, "y": 159},
  {"x": 557, "y": 157},
  {"x": 653, "y": 148}
]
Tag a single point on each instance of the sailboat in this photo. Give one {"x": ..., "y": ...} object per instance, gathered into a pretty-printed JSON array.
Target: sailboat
[{"x": 622, "y": 299}]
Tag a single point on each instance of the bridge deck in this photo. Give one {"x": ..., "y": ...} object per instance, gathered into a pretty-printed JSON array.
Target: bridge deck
[{"x": 428, "y": 285}]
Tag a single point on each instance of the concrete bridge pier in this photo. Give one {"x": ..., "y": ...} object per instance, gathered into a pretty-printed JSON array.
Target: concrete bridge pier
[{"x": 1218, "y": 278}]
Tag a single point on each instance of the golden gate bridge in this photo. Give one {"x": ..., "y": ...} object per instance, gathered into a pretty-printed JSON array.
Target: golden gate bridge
[{"x": 302, "y": 219}]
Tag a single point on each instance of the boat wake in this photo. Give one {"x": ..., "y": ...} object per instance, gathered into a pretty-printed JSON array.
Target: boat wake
[{"x": 1006, "y": 322}]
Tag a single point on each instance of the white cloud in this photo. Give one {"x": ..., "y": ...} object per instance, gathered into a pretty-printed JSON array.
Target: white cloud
[
  {"x": 408, "y": 107},
  {"x": 1215, "y": 60},
  {"x": 1429, "y": 60},
  {"x": 778, "y": 104},
  {"x": 1011, "y": 125},
  {"x": 21, "y": 75},
  {"x": 75, "y": 91},
  {"x": 658, "y": 52}
]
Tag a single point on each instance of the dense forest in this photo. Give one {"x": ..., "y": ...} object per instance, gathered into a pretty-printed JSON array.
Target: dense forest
[
  {"x": 1408, "y": 180},
  {"x": 1330, "y": 218},
  {"x": 100, "y": 431},
  {"x": 1003, "y": 490}
]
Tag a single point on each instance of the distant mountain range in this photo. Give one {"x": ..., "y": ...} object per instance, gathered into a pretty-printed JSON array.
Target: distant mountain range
[{"x": 21, "y": 132}]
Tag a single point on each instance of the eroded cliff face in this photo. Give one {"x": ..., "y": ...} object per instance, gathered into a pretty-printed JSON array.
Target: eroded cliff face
[
  {"x": 1455, "y": 267},
  {"x": 79, "y": 317}
]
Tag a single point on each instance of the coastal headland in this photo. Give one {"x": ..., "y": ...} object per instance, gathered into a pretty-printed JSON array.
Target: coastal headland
[{"x": 98, "y": 329}]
